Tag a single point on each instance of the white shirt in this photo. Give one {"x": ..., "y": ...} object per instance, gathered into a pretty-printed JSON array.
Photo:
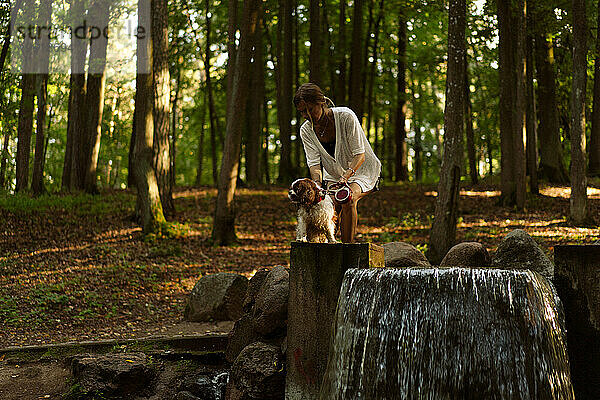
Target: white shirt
[{"x": 350, "y": 140}]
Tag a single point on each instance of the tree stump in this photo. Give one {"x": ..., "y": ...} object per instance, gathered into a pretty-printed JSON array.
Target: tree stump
[
  {"x": 577, "y": 281},
  {"x": 316, "y": 274}
]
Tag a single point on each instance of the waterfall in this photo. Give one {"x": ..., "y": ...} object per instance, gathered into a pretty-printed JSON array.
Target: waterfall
[{"x": 447, "y": 334}]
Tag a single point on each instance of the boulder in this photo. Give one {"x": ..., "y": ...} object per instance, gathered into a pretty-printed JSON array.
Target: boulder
[
  {"x": 257, "y": 373},
  {"x": 254, "y": 286},
  {"x": 519, "y": 251},
  {"x": 217, "y": 297},
  {"x": 404, "y": 255},
  {"x": 241, "y": 335},
  {"x": 467, "y": 254},
  {"x": 269, "y": 312},
  {"x": 112, "y": 375}
]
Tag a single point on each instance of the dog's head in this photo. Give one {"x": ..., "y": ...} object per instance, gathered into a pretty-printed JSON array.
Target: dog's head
[{"x": 305, "y": 192}]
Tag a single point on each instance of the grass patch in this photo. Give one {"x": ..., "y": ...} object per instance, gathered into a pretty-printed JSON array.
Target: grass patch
[{"x": 82, "y": 204}]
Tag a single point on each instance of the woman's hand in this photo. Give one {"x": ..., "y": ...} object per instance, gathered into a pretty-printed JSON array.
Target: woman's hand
[{"x": 345, "y": 176}]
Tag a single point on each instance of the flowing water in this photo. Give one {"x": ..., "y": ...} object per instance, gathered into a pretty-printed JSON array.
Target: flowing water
[{"x": 447, "y": 334}]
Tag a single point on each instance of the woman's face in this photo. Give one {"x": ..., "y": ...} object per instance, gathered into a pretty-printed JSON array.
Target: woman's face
[{"x": 315, "y": 110}]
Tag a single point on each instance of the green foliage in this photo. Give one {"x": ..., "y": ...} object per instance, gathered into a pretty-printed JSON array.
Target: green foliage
[{"x": 167, "y": 230}]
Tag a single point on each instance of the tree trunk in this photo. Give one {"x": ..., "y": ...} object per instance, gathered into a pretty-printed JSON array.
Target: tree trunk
[
  {"x": 315, "y": 33},
  {"x": 3, "y": 159},
  {"x": 594, "y": 148},
  {"x": 578, "y": 164},
  {"x": 365, "y": 58},
  {"x": 341, "y": 51},
  {"x": 443, "y": 230},
  {"x": 511, "y": 23},
  {"x": 284, "y": 108},
  {"x": 174, "y": 114},
  {"x": 148, "y": 197},
  {"x": 401, "y": 161},
  {"x": 254, "y": 108},
  {"x": 371, "y": 77},
  {"x": 519, "y": 106},
  {"x": 25, "y": 127},
  {"x": 131, "y": 156},
  {"x": 76, "y": 114},
  {"x": 212, "y": 116},
  {"x": 223, "y": 228},
  {"x": 265, "y": 163},
  {"x": 531, "y": 119},
  {"x": 37, "y": 181},
  {"x": 201, "y": 144},
  {"x": 418, "y": 153},
  {"x": 232, "y": 27},
  {"x": 162, "y": 98},
  {"x": 551, "y": 165},
  {"x": 99, "y": 14},
  {"x": 469, "y": 127},
  {"x": 356, "y": 61}
]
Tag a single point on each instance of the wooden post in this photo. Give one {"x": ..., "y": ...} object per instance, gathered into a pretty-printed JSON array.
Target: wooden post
[
  {"x": 316, "y": 274},
  {"x": 577, "y": 281}
]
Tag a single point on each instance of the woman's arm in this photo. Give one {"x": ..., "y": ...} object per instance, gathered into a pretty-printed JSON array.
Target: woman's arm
[
  {"x": 315, "y": 173},
  {"x": 356, "y": 162}
]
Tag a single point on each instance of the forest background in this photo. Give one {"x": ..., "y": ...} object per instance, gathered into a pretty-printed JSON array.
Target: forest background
[{"x": 202, "y": 109}]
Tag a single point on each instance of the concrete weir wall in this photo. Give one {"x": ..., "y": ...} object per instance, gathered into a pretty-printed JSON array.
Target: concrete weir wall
[
  {"x": 316, "y": 274},
  {"x": 577, "y": 281}
]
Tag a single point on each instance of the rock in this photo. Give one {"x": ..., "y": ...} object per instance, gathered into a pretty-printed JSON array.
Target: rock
[
  {"x": 257, "y": 373},
  {"x": 241, "y": 335},
  {"x": 404, "y": 255},
  {"x": 467, "y": 254},
  {"x": 217, "y": 297},
  {"x": 120, "y": 375},
  {"x": 519, "y": 251},
  {"x": 185, "y": 395},
  {"x": 270, "y": 308},
  {"x": 254, "y": 286}
]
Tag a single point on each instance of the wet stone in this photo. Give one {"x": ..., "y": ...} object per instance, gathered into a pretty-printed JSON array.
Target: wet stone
[{"x": 467, "y": 254}]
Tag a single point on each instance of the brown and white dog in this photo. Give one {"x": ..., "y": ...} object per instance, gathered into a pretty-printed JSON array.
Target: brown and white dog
[{"x": 316, "y": 213}]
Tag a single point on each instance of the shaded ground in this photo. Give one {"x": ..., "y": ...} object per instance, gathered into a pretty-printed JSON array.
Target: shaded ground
[{"x": 77, "y": 267}]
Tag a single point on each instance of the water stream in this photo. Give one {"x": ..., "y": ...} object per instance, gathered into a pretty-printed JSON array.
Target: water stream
[{"x": 447, "y": 334}]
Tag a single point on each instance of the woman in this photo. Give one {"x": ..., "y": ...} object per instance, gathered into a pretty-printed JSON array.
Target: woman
[{"x": 333, "y": 138}]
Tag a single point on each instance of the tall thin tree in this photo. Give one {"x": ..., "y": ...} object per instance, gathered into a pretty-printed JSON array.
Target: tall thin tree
[
  {"x": 578, "y": 162},
  {"x": 511, "y": 26},
  {"x": 148, "y": 196},
  {"x": 469, "y": 133},
  {"x": 443, "y": 230},
  {"x": 223, "y": 232},
  {"x": 355, "y": 96},
  {"x": 551, "y": 165},
  {"x": 284, "y": 106},
  {"x": 96, "y": 79},
  {"x": 401, "y": 161},
  {"x": 315, "y": 37},
  {"x": 43, "y": 62},
  {"x": 162, "y": 106},
  {"x": 594, "y": 147},
  {"x": 25, "y": 126}
]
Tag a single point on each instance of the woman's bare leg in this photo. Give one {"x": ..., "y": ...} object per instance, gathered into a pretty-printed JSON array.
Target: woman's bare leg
[{"x": 349, "y": 215}]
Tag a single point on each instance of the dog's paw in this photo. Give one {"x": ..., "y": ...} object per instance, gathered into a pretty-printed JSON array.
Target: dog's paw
[{"x": 302, "y": 239}]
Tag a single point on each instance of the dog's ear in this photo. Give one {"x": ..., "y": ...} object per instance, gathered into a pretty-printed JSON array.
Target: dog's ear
[{"x": 307, "y": 192}]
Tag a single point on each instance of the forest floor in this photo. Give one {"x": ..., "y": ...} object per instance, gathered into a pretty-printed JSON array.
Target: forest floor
[{"x": 77, "y": 267}]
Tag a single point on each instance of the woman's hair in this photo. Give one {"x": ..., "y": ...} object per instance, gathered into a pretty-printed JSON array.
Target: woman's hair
[{"x": 311, "y": 93}]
